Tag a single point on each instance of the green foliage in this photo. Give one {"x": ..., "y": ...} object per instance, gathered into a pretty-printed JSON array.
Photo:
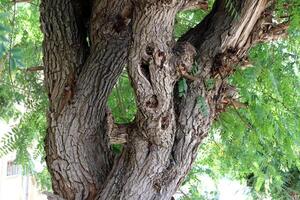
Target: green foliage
[
  {"x": 196, "y": 188},
  {"x": 231, "y": 8},
  {"x": 43, "y": 179},
  {"x": 259, "y": 144},
  {"x": 122, "y": 100},
  {"x": 262, "y": 140},
  {"x": 188, "y": 19},
  {"x": 182, "y": 87},
  {"x": 117, "y": 148},
  {"x": 202, "y": 105},
  {"x": 22, "y": 95}
]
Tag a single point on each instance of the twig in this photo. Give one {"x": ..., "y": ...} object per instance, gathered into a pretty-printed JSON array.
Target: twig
[
  {"x": 34, "y": 69},
  {"x": 247, "y": 123},
  {"x": 10, "y": 44},
  {"x": 24, "y": 1},
  {"x": 184, "y": 194}
]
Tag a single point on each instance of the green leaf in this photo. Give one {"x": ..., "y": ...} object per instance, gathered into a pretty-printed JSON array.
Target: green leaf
[
  {"x": 259, "y": 182},
  {"x": 182, "y": 87},
  {"x": 209, "y": 83}
]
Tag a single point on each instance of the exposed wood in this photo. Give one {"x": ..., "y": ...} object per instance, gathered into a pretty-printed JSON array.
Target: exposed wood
[{"x": 118, "y": 133}]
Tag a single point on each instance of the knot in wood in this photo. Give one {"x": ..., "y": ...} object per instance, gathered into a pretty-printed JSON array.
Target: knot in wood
[
  {"x": 67, "y": 88},
  {"x": 160, "y": 58},
  {"x": 185, "y": 54},
  {"x": 152, "y": 102}
]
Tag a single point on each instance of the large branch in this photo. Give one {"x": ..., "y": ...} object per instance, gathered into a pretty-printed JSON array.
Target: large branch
[
  {"x": 163, "y": 143},
  {"x": 150, "y": 67},
  {"x": 64, "y": 49},
  {"x": 34, "y": 69},
  {"x": 84, "y": 54},
  {"x": 221, "y": 38}
]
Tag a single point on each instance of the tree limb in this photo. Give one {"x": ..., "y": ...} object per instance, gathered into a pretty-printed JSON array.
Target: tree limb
[
  {"x": 222, "y": 40},
  {"x": 64, "y": 40},
  {"x": 34, "y": 69},
  {"x": 79, "y": 82},
  {"x": 21, "y": 1}
]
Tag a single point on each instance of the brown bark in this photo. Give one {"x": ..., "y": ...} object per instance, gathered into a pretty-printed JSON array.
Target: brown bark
[
  {"x": 86, "y": 46},
  {"x": 79, "y": 79}
]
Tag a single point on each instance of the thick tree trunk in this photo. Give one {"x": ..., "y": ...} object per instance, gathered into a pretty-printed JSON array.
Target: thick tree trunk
[
  {"x": 86, "y": 46},
  {"x": 77, "y": 146}
]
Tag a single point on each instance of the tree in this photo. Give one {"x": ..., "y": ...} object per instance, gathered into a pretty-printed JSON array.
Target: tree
[{"x": 87, "y": 45}]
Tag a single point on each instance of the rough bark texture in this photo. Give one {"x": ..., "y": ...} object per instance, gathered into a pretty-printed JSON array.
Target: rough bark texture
[
  {"x": 79, "y": 79},
  {"x": 88, "y": 43}
]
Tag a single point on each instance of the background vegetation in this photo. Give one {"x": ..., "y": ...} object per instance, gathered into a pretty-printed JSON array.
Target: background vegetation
[{"x": 258, "y": 145}]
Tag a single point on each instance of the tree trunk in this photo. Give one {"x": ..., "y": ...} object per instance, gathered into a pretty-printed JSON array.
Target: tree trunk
[{"x": 86, "y": 46}]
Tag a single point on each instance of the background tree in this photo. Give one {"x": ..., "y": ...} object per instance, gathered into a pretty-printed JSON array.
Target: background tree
[{"x": 180, "y": 87}]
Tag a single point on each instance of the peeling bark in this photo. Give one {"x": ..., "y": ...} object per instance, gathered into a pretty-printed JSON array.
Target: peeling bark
[{"x": 86, "y": 46}]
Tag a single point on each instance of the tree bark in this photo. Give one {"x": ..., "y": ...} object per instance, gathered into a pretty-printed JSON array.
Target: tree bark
[
  {"x": 86, "y": 46},
  {"x": 79, "y": 79}
]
